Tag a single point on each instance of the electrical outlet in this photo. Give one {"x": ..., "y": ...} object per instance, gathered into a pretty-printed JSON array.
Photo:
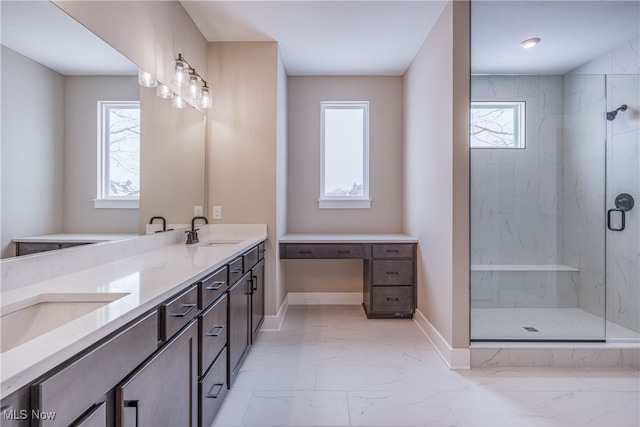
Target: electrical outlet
[
  {"x": 197, "y": 211},
  {"x": 217, "y": 212}
]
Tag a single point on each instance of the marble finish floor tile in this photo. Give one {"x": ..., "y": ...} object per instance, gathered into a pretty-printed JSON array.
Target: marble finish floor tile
[{"x": 330, "y": 366}]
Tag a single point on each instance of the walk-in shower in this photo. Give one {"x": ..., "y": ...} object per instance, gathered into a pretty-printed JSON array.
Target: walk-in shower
[{"x": 555, "y": 232}]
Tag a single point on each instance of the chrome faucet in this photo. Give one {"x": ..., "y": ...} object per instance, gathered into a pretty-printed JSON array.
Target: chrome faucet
[
  {"x": 164, "y": 222},
  {"x": 192, "y": 235}
]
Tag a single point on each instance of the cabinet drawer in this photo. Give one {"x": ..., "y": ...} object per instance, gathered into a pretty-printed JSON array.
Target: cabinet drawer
[
  {"x": 395, "y": 250},
  {"x": 250, "y": 258},
  {"x": 261, "y": 251},
  {"x": 213, "y": 333},
  {"x": 392, "y": 299},
  {"x": 212, "y": 390},
  {"x": 392, "y": 272},
  {"x": 178, "y": 312},
  {"x": 323, "y": 251},
  {"x": 73, "y": 389},
  {"x": 94, "y": 417},
  {"x": 212, "y": 287},
  {"x": 235, "y": 270}
]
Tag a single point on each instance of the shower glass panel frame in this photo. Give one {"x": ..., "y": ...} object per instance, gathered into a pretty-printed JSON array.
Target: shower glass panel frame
[{"x": 537, "y": 223}]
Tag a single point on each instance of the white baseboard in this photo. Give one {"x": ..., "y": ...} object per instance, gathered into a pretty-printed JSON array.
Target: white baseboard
[
  {"x": 324, "y": 298},
  {"x": 455, "y": 358},
  {"x": 274, "y": 323}
]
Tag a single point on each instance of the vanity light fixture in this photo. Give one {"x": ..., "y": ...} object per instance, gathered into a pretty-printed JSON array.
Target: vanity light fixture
[
  {"x": 146, "y": 79},
  {"x": 196, "y": 87},
  {"x": 530, "y": 43}
]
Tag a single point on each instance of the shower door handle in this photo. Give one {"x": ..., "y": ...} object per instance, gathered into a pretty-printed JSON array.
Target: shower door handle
[
  {"x": 624, "y": 203},
  {"x": 609, "y": 212}
]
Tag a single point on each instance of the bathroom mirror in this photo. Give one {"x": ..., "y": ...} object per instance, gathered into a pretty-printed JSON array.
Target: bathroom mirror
[{"x": 49, "y": 142}]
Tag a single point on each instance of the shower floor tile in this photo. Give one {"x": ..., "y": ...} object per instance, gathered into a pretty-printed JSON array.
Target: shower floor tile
[{"x": 544, "y": 324}]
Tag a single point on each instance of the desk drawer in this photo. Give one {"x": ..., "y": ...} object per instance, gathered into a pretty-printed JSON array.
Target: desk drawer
[
  {"x": 392, "y": 272},
  {"x": 323, "y": 251},
  {"x": 394, "y": 250},
  {"x": 392, "y": 299}
]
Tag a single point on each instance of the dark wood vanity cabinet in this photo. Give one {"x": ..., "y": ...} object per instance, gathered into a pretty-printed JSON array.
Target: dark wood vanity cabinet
[
  {"x": 389, "y": 288},
  {"x": 170, "y": 367},
  {"x": 162, "y": 392}
]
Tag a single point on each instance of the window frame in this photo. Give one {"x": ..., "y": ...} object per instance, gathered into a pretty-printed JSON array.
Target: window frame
[
  {"x": 519, "y": 114},
  {"x": 103, "y": 200},
  {"x": 345, "y": 202}
]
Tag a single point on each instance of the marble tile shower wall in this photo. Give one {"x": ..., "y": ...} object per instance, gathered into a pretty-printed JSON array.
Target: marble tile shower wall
[
  {"x": 583, "y": 182},
  {"x": 516, "y": 214}
]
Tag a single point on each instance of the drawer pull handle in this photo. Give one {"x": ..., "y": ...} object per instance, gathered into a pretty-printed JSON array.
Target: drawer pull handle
[
  {"x": 392, "y": 272},
  {"x": 215, "y": 285},
  {"x": 188, "y": 307},
  {"x": 392, "y": 251},
  {"x": 236, "y": 270},
  {"x": 393, "y": 299},
  {"x": 217, "y": 388},
  {"x": 219, "y": 329},
  {"x": 344, "y": 252},
  {"x": 304, "y": 252}
]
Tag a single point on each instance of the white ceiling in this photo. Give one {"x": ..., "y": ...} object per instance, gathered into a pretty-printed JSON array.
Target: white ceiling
[
  {"x": 325, "y": 37},
  {"x": 41, "y": 31},
  {"x": 363, "y": 37}
]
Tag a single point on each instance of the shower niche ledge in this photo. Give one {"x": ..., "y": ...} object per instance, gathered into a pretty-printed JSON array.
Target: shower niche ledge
[{"x": 522, "y": 267}]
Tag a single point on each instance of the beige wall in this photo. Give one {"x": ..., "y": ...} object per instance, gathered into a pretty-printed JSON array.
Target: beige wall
[
  {"x": 32, "y": 150},
  {"x": 281, "y": 181},
  {"x": 149, "y": 33},
  {"x": 437, "y": 172},
  {"x": 385, "y": 159},
  {"x": 81, "y": 153},
  {"x": 172, "y": 160},
  {"x": 385, "y": 174},
  {"x": 243, "y": 141}
]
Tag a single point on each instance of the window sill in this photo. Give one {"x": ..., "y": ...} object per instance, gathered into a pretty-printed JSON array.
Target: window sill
[
  {"x": 116, "y": 204},
  {"x": 344, "y": 203}
]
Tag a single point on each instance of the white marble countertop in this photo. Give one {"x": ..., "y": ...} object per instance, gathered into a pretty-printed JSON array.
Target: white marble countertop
[
  {"x": 74, "y": 238},
  {"x": 147, "y": 279},
  {"x": 347, "y": 238}
]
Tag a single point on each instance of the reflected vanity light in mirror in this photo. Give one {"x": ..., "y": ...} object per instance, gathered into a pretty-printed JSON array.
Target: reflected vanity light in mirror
[
  {"x": 164, "y": 92},
  {"x": 146, "y": 79},
  {"x": 178, "y": 102},
  {"x": 530, "y": 43}
]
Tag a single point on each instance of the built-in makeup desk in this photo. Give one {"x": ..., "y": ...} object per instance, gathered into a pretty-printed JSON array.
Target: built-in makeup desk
[
  {"x": 48, "y": 242},
  {"x": 389, "y": 266}
]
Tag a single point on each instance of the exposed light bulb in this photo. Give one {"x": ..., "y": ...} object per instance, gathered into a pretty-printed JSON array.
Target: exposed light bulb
[
  {"x": 206, "y": 101},
  {"x": 180, "y": 73},
  {"x": 193, "y": 87},
  {"x": 178, "y": 102},
  {"x": 530, "y": 43},
  {"x": 164, "y": 92},
  {"x": 146, "y": 79}
]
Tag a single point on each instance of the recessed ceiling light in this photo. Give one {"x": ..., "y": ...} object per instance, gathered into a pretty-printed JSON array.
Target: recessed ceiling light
[{"x": 529, "y": 43}]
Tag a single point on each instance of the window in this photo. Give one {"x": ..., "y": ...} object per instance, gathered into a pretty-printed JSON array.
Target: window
[
  {"x": 344, "y": 158},
  {"x": 497, "y": 124},
  {"x": 119, "y": 155}
]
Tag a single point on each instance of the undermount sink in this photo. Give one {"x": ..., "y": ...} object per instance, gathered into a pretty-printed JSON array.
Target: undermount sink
[
  {"x": 221, "y": 243},
  {"x": 27, "y": 319}
]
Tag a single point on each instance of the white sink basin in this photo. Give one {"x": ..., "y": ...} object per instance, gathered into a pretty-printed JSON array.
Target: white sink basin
[
  {"x": 220, "y": 243},
  {"x": 27, "y": 319}
]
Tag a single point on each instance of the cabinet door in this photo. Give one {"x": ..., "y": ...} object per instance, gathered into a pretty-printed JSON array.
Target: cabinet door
[
  {"x": 163, "y": 390},
  {"x": 239, "y": 319},
  {"x": 257, "y": 299}
]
